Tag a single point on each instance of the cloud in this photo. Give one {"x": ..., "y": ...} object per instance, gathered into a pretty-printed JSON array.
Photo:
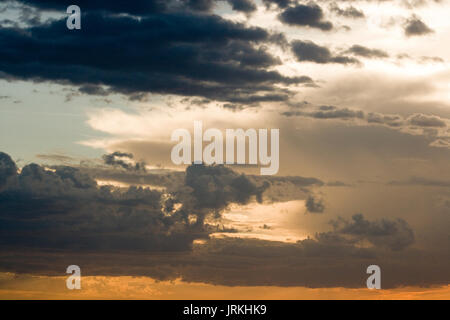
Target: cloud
[
  {"x": 426, "y": 59},
  {"x": 421, "y": 59},
  {"x": 105, "y": 230},
  {"x": 199, "y": 5},
  {"x": 63, "y": 207},
  {"x": 309, "y": 51},
  {"x": 338, "y": 184},
  {"x": 365, "y": 52},
  {"x": 113, "y": 159},
  {"x": 93, "y": 90},
  {"x": 328, "y": 112},
  {"x": 314, "y": 204},
  {"x": 246, "y": 6},
  {"x": 58, "y": 158},
  {"x": 430, "y": 126},
  {"x": 8, "y": 171},
  {"x": 423, "y": 120},
  {"x": 278, "y": 3},
  {"x": 310, "y": 15},
  {"x": 422, "y": 181},
  {"x": 327, "y": 260},
  {"x": 415, "y": 27},
  {"x": 213, "y": 188},
  {"x": 174, "y": 53},
  {"x": 393, "y": 234},
  {"x": 348, "y": 12},
  {"x": 138, "y": 7},
  {"x": 287, "y": 188},
  {"x": 385, "y": 119}
]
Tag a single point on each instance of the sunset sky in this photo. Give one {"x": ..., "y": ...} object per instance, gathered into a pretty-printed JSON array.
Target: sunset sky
[{"x": 360, "y": 91}]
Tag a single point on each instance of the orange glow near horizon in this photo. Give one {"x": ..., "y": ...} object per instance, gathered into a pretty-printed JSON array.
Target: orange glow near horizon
[{"x": 126, "y": 287}]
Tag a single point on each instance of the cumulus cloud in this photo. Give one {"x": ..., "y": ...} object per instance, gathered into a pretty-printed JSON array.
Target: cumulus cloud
[
  {"x": 64, "y": 207},
  {"x": 414, "y": 26},
  {"x": 348, "y": 12},
  {"x": 114, "y": 159},
  {"x": 213, "y": 188},
  {"x": 310, "y": 15},
  {"x": 8, "y": 171},
  {"x": 314, "y": 204},
  {"x": 309, "y": 51},
  {"x": 246, "y": 6},
  {"x": 365, "y": 52},
  {"x": 393, "y": 234}
]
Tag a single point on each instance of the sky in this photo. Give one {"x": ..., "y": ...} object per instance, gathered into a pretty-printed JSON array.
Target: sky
[{"x": 359, "y": 91}]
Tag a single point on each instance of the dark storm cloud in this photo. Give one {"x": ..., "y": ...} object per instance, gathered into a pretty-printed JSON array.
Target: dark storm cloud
[
  {"x": 393, "y": 234},
  {"x": 310, "y": 15},
  {"x": 276, "y": 188},
  {"x": 136, "y": 7},
  {"x": 200, "y": 5},
  {"x": 246, "y": 6},
  {"x": 64, "y": 208},
  {"x": 416, "y": 27},
  {"x": 105, "y": 230},
  {"x": 314, "y": 204},
  {"x": 329, "y": 259},
  {"x": 309, "y": 51},
  {"x": 113, "y": 159},
  {"x": 168, "y": 53},
  {"x": 213, "y": 188},
  {"x": 8, "y": 171},
  {"x": 365, "y": 52},
  {"x": 348, "y": 12},
  {"x": 217, "y": 186}
]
